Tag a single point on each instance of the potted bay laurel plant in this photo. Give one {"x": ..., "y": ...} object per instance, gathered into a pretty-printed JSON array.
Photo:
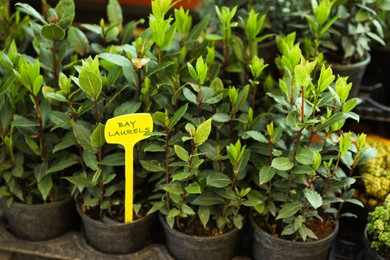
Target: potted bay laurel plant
[
  {"x": 377, "y": 236},
  {"x": 194, "y": 152},
  {"x": 305, "y": 162},
  {"x": 38, "y": 203},
  {"x": 103, "y": 87}
]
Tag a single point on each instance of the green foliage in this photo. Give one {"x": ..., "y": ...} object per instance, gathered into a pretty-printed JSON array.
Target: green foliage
[
  {"x": 30, "y": 165},
  {"x": 308, "y": 170},
  {"x": 378, "y": 227},
  {"x": 358, "y": 26}
]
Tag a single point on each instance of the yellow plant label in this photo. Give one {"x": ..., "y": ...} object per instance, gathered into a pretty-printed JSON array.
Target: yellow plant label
[{"x": 127, "y": 130}]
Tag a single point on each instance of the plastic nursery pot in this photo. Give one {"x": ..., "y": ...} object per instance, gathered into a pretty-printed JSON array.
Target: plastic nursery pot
[
  {"x": 355, "y": 73},
  {"x": 41, "y": 221},
  {"x": 268, "y": 247},
  {"x": 186, "y": 247},
  {"x": 370, "y": 253},
  {"x": 118, "y": 238}
]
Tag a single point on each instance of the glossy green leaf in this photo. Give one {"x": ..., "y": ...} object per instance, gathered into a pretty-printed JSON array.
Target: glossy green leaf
[
  {"x": 63, "y": 164},
  {"x": 53, "y": 32},
  {"x": 282, "y": 164},
  {"x": 83, "y": 137},
  {"x": 208, "y": 199},
  {"x": 45, "y": 185},
  {"x": 177, "y": 116},
  {"x": 266, "y": 173},
  {"x": 289, "y": 209},
  {"x": 115, "y": 159},
  {"x": 313, "y": 197},
  {"x": 78, "y": 40},
  {"x": 97, "y": 136},
  {"x": 181, "y": 153},
  {"x": 114, "y": 12},
  {"x": 174, "y": 188},
  {"x": 116, "y": 59},
  {"x": 204, "y": 214},
  {"x": 218, "y": 180},
  {"x": 193, "y": 188},
  {"x": 202, "y": 132}
]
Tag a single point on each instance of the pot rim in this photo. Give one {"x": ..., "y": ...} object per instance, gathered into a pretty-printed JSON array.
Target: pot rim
[
  {"x": 39, "y": 206},
  {"x": 364, "y": 62},
  {"x": 103, "y": 224}
]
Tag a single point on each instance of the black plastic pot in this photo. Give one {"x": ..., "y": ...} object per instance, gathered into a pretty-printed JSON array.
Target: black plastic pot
[
  {"x": 118, "y": 238},
  {"x": 186, "y": 247},
  {"x": 267, "y": 247},
  {"x": 41, "y": 221},
  {"x": 355, "y": 73},
  {"x": 371, "y": 254}
]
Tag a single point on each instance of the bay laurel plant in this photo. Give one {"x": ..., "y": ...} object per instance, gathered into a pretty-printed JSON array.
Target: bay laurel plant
[
  {"x": 307, "y": 162},
  {"x": 195, "y": 155},
  {"x": 32, "y": 164}
]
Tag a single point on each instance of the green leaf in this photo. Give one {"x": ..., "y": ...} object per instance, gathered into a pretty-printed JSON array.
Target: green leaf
[
  {"x": 116, "y": 59},
  {"x": 83, "y": 137},
  {"x": 304, "y": 169},
  {"x": 63, "y": 164},
  {"x": 187, "y": 210},
  {"x": 114, "y": 12},
  {"x": 65, "y": 10},
  {"x": 257, "y": 136},
  {"x": 190, "y": 96},
  {"x": 289, "y": 209},
  {"x": 127, "y": 107},
  {"x": 44, "y": 186},
  {"x": 305, "y": 232},
  {"x": 202, "y": 132},
  {"x": 177, "y": 116},
  {"x": 208, "y": 198},
  {"x": 80, "y": 181},
  {"x": 109, "y": 178},
  {"x": 301, "y": 76},
  {"x": 52, "y": 32},
  {"x": 181, "y": 153},
  {"x": 90, "y": 160},
  {"x": 313, "y": 197},
  {"x": 218, "y": 180},
  {"x": 305, "y": 156},
  {"x": 78, "y": 40},
  {"x": 266, "y": 174},
  {"x": 28, "y": 9},
  {"x": 174, "y": 188},
  {"x": 152, "y": 166},
  {"x": 97, "y": 136},
  {"x": 20, "y": 121},
  {"x": 173, "y": 213},
  {"x": 180, "y": 176},
  {"x": 193, "y": 188},
  {"x": 115, "y": 159},
  {"x": 204, "y": 214},
  {"x": 90, "y": 82},
  {"x": 221, "y": 118},
  {"x": 282, "y": 164}
]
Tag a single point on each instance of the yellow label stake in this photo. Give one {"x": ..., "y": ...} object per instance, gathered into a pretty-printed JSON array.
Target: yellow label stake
[{"x": 127, "y": 130}]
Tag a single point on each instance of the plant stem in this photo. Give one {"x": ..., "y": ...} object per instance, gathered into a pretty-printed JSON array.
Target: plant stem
[
  {"x": 167, "y": 164},
  {"x": 55, "y": 64},
  {"x": 41, "y": 130}
]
